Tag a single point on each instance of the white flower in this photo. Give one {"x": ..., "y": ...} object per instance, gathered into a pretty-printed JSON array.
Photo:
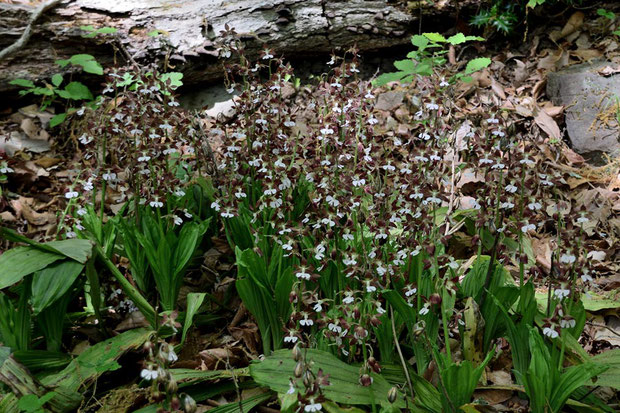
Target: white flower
[
  {"x": 216, "y": 206},
  {"x": 71, "y": 234},
  {"x": 493, "y": 120},
  {"x": 318, "y": 307},
  {"x": 370, "y": 288},
  {"x": 71, "y": 194},
  {"x": 432, "y": 106},
  {"x": 369, "y": 95},
  {"x": 177, "y": 220},
  {"x": 291, "y": 338},
  {"x": 348, "y": 299},
  {"x": 507, "y": 205},
  {"x": 359, "y": 181},
  {"x": 179, "y": 192},
  {"x": 334, "y": 327},
  {"x": 567, "y": 259},
  {"x": 85, "y": 139},
  {"x": 561, "y": 293},
  {"x": 313, "y": 407},
  {"x": 528, "y": 227},
  {"x": 227, "y": 214},
  {"x": 582, "y": 220},
  {"x": 534, "y": 206},
  {"x": 527, "y": 161},
  {"x": 586, "y": 278},
  {"x": 170, "y": 151},
  {"x": 302, "y": 275},
  {"x": 424, "y": 310},
  {"x": 332, "y": 201},
  {"x": 156, "y": 203},
  {"x": 443, "y": 83},
  {"x": 149, "y": 374},
  {"x": 109, "y": 176},
  {"x": 498, "y": 166},
  {"x": 568, "y": 323},
  {"x": 166, "y": 127},
  {"x": 319, "y": 252},
  {"x": 327, "y": 131},
  {"x": 291, "y": 388},
  {"x": 171, "y": 356},
  {"x": 485, "y": 161},
  {"x": 373, "y": 121},
  {"x": 550, "y": 332},
  {"x": 81, "y": 212},
  {"x": 144, "y": 158},
  {"x": 289, "y": 123}
]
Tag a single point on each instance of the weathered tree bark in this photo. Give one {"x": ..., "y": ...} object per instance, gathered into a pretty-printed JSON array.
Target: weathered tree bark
[{"x": 190, "y": 29}]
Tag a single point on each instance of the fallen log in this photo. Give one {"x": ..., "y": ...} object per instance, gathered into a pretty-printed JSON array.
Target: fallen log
[{"x": 188, "y": 30}]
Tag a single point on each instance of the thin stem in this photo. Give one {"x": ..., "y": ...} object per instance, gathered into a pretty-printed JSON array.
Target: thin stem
[{"x": 400, "y": 353}]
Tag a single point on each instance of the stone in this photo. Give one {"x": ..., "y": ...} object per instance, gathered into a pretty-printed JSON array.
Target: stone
[
  {"x": 591, "y": 106},
  {"x": 390, "y": 100}
]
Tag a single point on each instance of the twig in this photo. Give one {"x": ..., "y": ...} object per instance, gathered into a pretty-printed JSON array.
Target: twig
[{"x": 21, "y": 42}]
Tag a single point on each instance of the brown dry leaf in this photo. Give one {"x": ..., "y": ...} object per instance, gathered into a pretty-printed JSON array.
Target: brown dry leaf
[
  {"x": 542, "y": 252},
  {"x": 573, "y": 24},
  {"x": 609, "y": 329},
  {"x": 134, "y": 320},
  {"x": 547, "y": 124},
  {"x": 551, "y": 110},
  {"x": 460, "y": 142},
  {"x": 555, "y": 59},
  {"x": 609, "y": 71},
  {"x": 47, "y": 161},
  {"x": 470, "y": 176},
  {"x": 520, "y": 73},
  {"x": 218, "y": 358},
  {"x": 586, "y": 55},
  {"x": 248, "y": 333},
  {"x": 22, "y": 208},
  {"x": 493, "y": 396},
  {"x": 498, "y": 89},
  {"x": 571, "y": 156},
  {"x": 6, "y": 216},
  {"x": 500, "y": 378}
]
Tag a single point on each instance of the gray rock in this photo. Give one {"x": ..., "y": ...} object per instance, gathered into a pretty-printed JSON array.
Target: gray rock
[
  {"x": 590, "y": 102},
  {"x": 389, "y": 100}
]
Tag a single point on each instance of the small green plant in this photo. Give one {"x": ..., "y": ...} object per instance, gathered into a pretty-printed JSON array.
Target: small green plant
[
  {"x": 72, "y": 91},
  {"x": 42, "y": 278},
  {"x": 500, "y": 16},
  {"x": 30, "y": 403},
  {"x": 430, "y": 53},
  {"x": 503, "y": 16}
]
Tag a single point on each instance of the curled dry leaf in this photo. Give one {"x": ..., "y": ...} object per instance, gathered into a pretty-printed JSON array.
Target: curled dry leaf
[{"x": 547, "y": 124}]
